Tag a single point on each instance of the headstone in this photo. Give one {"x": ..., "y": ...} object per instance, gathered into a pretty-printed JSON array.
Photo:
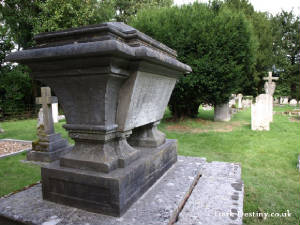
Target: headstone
[
  {"x": 270, "y": 89},
  {"x": 284, "y": 100},
  {"x": 222, "y": 112},
  {"x": 207, "y": 107},
  {"x": 293, "y": 102},
  {"x": 55, "y": 112},
  {"x": 49, "y": 146},
  {"x": 113, "y": 82},
  {"x": 1, "y": 130},
  {"x": 276, "y": 100},
  {"x": 270, "y": 85},
  {"x": 262, "y": 109},
  {"x": 246, "y": 103},
  {"x": 260, "y": 120},
  {"x": 240, "y": 97},
  {"x": 232, "y": 101}
]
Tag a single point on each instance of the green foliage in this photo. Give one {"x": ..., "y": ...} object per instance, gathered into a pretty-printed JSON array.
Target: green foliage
[
  {"x": 125, "y": 9},
  {"x": 60, "y": 14},
  {"x": 286, "y": 50},
  {"x": 15, "y": 89},
  {"x": 215, "y": 41},
  {"x": 20, "y": 16},
  {"x": 264, "y": 59}
]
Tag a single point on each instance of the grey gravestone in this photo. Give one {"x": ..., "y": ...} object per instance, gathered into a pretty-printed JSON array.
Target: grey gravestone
[
  {"x": 222, "y": 112},
  {"x": 113, "y": 82},
  {"x": 49, "y": 146}
]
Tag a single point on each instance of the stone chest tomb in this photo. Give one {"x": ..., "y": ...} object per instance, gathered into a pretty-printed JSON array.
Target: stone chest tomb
[{"x": 114, "y": 84}]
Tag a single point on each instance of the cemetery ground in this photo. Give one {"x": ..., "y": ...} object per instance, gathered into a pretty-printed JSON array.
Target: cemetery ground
[{"x": 268, "y": 158}]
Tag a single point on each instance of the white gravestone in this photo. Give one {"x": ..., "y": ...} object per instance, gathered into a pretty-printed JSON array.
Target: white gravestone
[
  {"x": 260, "y": 120},
  {"x": 293, "y": 102},
  {"x": 284, "y": 100},
  {"x": 270, "y": 89},
  {"x": 232, "y": 100},
  {"x": 55, "y": 112},
  {"x": 240, "y": 97}
]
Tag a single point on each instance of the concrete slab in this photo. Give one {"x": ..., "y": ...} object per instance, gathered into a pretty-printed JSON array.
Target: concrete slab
[
  {"x": 218, "y": 185},
  {"x": 217, "y": 198}
]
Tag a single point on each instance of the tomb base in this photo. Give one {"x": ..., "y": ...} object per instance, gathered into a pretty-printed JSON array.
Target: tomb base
[
  {"x": 108, "y": 193},
  {"x": 40, "y": 156},
  {"x": 191, "y": 192}
]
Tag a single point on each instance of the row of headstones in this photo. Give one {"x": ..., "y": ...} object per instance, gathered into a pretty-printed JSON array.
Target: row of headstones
[
  {"x": 285, "y": 101},
  {"x": 224, "y": 112}
]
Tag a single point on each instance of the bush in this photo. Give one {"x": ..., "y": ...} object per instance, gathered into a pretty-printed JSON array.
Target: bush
[{"x": 216, "y": 42}]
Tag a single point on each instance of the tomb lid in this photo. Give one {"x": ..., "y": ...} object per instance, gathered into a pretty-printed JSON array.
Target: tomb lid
[{"x": 104, "y": 31}]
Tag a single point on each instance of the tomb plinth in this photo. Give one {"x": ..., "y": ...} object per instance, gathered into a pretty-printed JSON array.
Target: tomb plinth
[{"x": 113, "y": 83}]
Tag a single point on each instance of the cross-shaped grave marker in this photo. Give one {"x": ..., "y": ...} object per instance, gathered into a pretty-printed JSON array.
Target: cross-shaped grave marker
[
  {"x": 46, "y": 101},
  {"x": 270, "y": 78},
  {"x": 270, "y": 85}
]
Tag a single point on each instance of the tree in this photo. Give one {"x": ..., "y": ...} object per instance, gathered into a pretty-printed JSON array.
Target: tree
[
  {"x": 19, "y": 17},
  {"x": 125, "y": 9},
  {"x": 263, "y": 34},
  {"x": 59, "y": 14},
  {"x": 285, "y": 29},
  {"x": 15, "y": 84},
  {"x": 215, "y": 41}
]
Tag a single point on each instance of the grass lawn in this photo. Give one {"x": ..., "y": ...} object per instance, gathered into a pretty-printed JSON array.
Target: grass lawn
[{"x": 268, "y": 158}]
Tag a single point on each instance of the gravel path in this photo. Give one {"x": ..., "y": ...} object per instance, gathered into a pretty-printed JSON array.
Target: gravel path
[{"x": 8, "y": 147}]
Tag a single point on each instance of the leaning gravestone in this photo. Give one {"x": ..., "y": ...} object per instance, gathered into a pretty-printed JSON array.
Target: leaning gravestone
[
  {"x": 293, "y": 102},
  {"x": 49, "y": 146},
  {"x": 113, "y": 82}
]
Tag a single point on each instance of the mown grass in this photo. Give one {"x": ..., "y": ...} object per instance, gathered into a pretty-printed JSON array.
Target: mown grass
[{"x": 268, "y": 159}]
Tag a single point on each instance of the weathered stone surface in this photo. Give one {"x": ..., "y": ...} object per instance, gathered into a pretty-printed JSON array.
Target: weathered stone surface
[
  {"x": 239, "y": 98},
  {"x": 270, "y": 85},
  {"x": 219, "y": 189},
  {"x": 55, "y": 112},
  {"x": 157, "y": 206},
  {"x": 222, "y": 112},
  {"x": 293, "y": 102},
  {"x": 112, "y": 81},
  {"x": 49, "y": 146},
  {"x": 109, "y": 193},
  {"x": 217, "y": 198},
  {"x": 260, "y": 112}
]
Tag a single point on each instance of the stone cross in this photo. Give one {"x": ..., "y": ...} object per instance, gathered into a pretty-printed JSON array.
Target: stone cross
[
  {"x": 270, "y": 85},
  {"x": 46, "y": 101}
]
